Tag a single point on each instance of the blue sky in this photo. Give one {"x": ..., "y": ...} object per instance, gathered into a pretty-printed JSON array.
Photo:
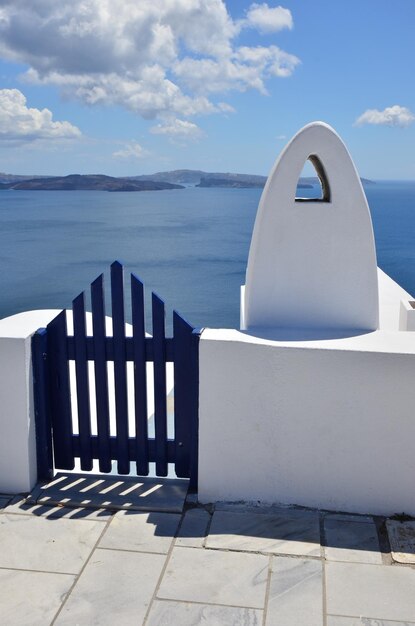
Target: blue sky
[{"x": 126, "y": 87}]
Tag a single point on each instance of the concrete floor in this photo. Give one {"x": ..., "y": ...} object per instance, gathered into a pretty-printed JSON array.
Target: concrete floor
[{"x": 221, "y": 565}]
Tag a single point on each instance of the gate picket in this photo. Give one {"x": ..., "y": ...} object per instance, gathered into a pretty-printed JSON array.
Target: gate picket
[
  {"x": 160, "y": 402},
  {"x": 82, "y": 382},
  {"x": 120, "y": 367},
  {"x": 101, "y": 374},
  {"x": 140, "y": 375}
]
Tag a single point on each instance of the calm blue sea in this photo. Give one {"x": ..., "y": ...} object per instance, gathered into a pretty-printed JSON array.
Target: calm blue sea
[{"x": 190, "y": 245}]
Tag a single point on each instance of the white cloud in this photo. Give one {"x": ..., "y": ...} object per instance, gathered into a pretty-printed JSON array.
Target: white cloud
[
  {"x": 224, "y": 107},
  {"x": 391, "y": 116},
  {"x": 247, "y": 68},
  {"x": 131, "y": 150},
  {"x": 267, "y": 19},
  {"x": 18, "y": 122},
  {"x": 180, "y": 129},
  {"x": 156, "y": 58}
]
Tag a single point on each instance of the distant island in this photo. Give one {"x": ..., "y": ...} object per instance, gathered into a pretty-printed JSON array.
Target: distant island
[
  {"x": 89, "y": 182},
  {"x": 236, "y": 183},
  {"x": 175, "y": 179},
  {"x": 200, "y": 178},
  {"x": 194, "y": 177}
]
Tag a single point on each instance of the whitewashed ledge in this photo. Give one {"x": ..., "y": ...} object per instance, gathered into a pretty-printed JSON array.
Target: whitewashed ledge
[{"x": 316, "y": 419}]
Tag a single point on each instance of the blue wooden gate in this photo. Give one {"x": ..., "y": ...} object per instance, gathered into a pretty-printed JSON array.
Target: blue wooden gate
[{"x": 56, "y": 420}]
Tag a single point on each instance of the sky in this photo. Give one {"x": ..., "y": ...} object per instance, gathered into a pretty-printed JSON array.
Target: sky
[{"x": 128, "y": 87}]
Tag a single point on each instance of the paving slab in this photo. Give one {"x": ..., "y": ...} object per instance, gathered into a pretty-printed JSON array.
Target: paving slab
[
  {"x": 166, "y": 613},
  {"x": 375, "y": 591},
  {"x": 349, "y": 517},
  {"x": 215, "y": 577},
  {"x": 141, "y": 532},
  {"x": 31, "y": 598},
  {"x": 336, "y": 620},
  {"x": 21, "y": 507},
  {"x": 112, "y": 492},
  {"x": 287, "y": 532},
  {"x": 4, "y": 501},
  {"x": 51, "y": 545},
  {"x": 295, "y": 592},
  {"x": 193, "y": 530},
  {"x": 115, "y": 587},
  {"x": 351, "y": 541},
  {"x": 402, "y": 540}
]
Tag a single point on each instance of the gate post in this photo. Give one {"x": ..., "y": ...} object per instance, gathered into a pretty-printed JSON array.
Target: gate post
[
  {"x": 194, "y": 413},
  {"x": 186, "y": 399},
  {"x": 41, "y": 405}
]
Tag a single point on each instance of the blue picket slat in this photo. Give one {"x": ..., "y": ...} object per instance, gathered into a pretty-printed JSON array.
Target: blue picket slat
[
  {"x": 120, "y": 367},
  {"x": 160, "y": 401},
  {"x": 182, "y": 334},
  {"x": 140, "y": 375},
  {"x": 60, "y": 396},
  {"x": 101, "y": 374},
  {"x": 82, "y": 381}
]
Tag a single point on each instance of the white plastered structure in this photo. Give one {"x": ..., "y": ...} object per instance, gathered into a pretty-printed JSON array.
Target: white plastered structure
[
  {"x": 312, "y": 264},
  {"x": 18, "y": 470},
  {"x": 312, "y": 402}
]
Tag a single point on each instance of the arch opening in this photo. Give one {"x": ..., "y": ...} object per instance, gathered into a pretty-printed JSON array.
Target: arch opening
[{"x": 313, "y": 182}]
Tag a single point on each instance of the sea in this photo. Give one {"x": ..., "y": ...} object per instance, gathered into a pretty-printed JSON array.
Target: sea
[{"x": 190, "y": 246}]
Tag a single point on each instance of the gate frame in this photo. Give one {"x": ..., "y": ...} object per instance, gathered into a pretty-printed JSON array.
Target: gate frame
[{"x": 53, "y": 348}]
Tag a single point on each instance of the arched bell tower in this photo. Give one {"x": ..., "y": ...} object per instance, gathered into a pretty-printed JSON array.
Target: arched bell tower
[{"x": 312, "y": 263}]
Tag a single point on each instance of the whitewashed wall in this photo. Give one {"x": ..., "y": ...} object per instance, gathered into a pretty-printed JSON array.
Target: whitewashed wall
[
  {"x": 327, "y": 423},
  {"x": 313, "y": 403},
  {"x": 17, "y": 427}
]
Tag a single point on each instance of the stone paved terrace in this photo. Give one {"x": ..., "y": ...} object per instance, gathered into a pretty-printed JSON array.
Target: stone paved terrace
[{"x": 219, "y": 565}]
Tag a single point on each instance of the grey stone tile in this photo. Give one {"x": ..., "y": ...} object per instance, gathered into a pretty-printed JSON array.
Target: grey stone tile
[
  {"x": 288, "y": 532},
  {"x": 375, "y": 591},
  {"x": 114, "y": 588},
  {"x": 215, "y": 577},
  {"x": 351, "y": 541},
  {"x": 349, "y": 517},
  {"x": 165, "y": 613},
  {"x": 257, "y": 507},
  {"x": 31, "y": 598},
  {"x": 193, "y": 529},
  {"x": 192, "y": 498},
  {"x": 142, "y": 532},
  {"x": 402, "y": 540},
  {"x": 112, "y": 492},
  {"x": 295, "y": 593},
  {"x": 337, "y": 620},
  {"x": 37, "y": 543},
  {"x": 4, "y": 501},
  {"x": 21, "y": 507}
]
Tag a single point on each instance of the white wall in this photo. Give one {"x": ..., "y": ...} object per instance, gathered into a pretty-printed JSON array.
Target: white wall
[
  {"x": 326, "y": 423},
  {"x": 313, "y": 404},
  {"x": 17, "y": 428}
]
